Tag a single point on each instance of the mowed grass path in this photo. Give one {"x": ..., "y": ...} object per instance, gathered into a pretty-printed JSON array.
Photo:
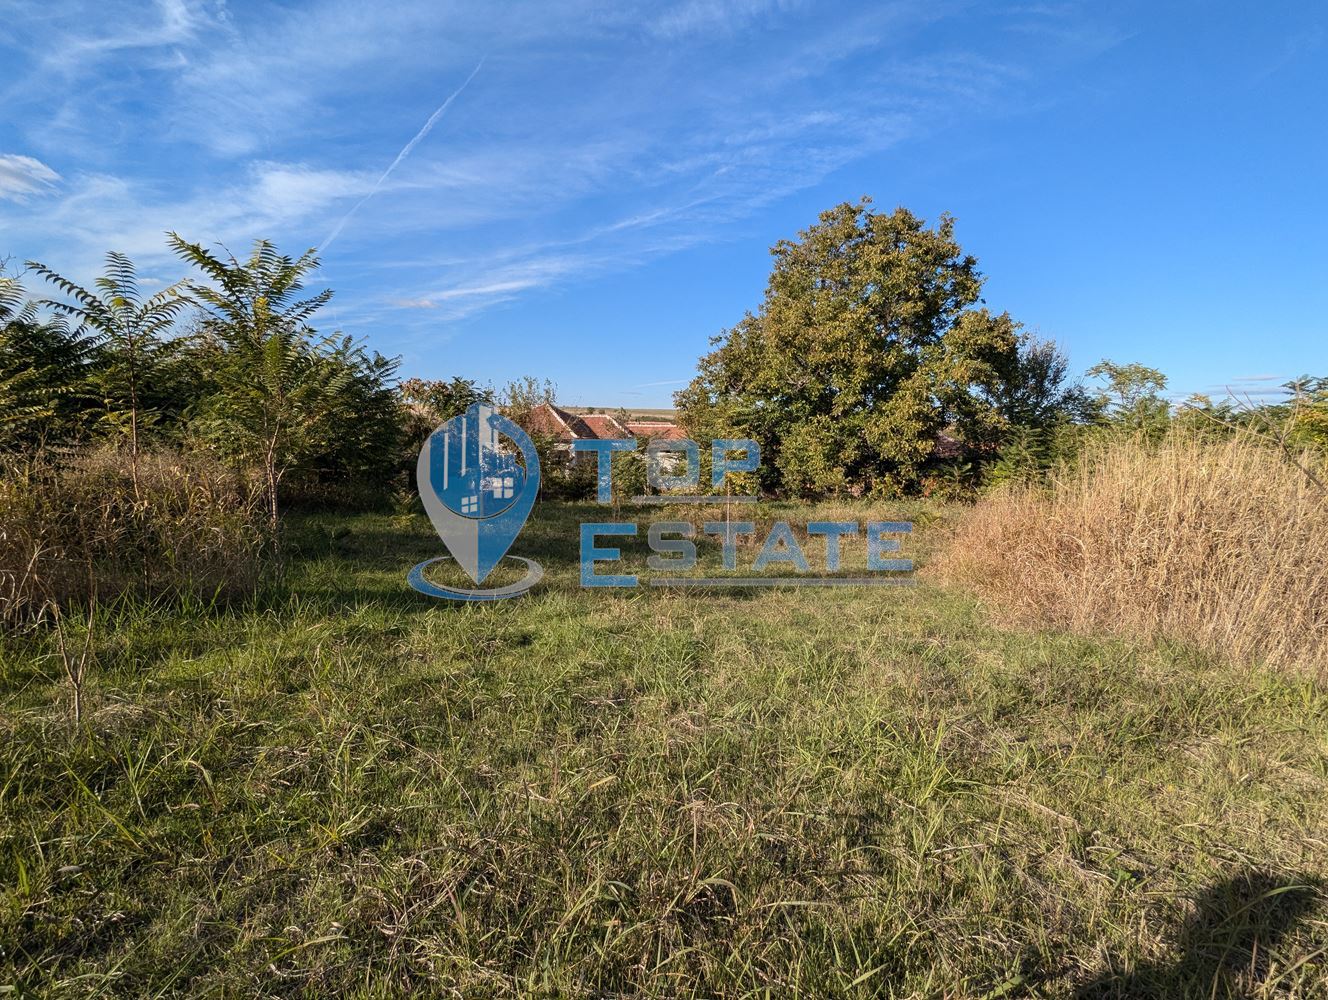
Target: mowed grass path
[{"x": 348, "y": 789}]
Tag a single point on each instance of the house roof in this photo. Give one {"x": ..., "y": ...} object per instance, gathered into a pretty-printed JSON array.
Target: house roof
[
  {"x": 657, "y": 430},
  {"x": 562, "y": 425},
  {"x": 947, "y": 446},
  {"x": 553, "y": 421},
  {"x": 557, "y": 423},
  {"x": 603, "y": 425}
]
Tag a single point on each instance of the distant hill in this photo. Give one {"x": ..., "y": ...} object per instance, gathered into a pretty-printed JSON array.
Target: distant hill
[{"x": 665, "y": 415}]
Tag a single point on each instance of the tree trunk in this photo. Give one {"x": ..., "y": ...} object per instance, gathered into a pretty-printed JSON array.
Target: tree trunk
[
  {"x": 133, "y": 419},
  {"x": 270, "y": 471}
]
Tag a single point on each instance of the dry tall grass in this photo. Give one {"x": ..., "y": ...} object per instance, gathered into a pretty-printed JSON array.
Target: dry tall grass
[
  {"x": 1221, "y": 544},
  {"x": 74, "y": 530}
]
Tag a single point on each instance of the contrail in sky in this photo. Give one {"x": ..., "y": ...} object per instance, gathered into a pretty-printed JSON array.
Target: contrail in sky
[{"x": 428, "y": 126}]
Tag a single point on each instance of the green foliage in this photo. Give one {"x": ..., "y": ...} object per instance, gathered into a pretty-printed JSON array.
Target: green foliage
[
  {"x": 44, "y": 368},
  {"x": 1024, "y": 459},
  {"x": 131, "y": 332},
  {"x": 1308, "y": 412},
  {"x": 1131, "y": 399},
  {"x": 315, "y": 416},
  {"x": 868, "y": 343},
  {"x": 426, "y": 404},
  {"x": 1032, "y": 391},
  {"x": 563, "y": 477},
  {"x": 438, "y": 401},
  {"x": 951, "y": 480},
  {"x": 277, "y": 406},
  {"x": 1199, "y": 417},
  {"x": 519, "y": 398},
  {"x": 1046, "y": 417},
  {"x": 362, "y": 457},
  {"x": 286, "y": 399},
  {"x": 1050, "y": 423},
  {"x": 815, "y": 456},
  {"x": 629, "y": 475}
]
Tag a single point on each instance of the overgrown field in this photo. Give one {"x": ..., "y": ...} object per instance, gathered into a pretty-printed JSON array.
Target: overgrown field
[
  {"x": 343, "y": 788},
  {"x": 1220, "y": 543}
]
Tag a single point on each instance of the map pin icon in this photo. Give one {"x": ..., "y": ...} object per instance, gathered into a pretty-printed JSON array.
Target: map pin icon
[{"x": 476, "y": 493}]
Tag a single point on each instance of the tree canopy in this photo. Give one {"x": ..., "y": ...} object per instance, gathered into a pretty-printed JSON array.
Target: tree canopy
[{"x": 871, "y": 340}]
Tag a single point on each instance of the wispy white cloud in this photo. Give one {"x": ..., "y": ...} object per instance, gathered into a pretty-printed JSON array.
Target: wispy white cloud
[
  {"x": 1074, "y": 30},
  {"x": 604, "y": 135},
  {"x": 295, "y": 191},
  {"x": 1253, "y": 393},
  {"x": 22, "y": 176},
  {"x": 166, "y": 23},
  {"x": 486, "y": 283},
  {"x": 713, "y": 17},
  {"x": 100, "y": 212},
  {"x": 1249, "y": 387}
]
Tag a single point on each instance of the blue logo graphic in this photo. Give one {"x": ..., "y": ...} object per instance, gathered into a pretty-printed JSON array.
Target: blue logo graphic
[{"x": 478, "y": 497}]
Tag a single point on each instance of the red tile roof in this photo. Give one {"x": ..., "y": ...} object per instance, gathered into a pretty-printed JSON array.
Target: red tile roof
[
  {"x": 558, "y": 423},
  {"x": 603, "y": 425},
  {"x": 657, "y": 430},
  {"x": 552, "y": 421},
  {"x": 555, "y": 422}
]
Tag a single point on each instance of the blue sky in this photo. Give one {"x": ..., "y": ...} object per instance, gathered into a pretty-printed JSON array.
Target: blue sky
[{"x": 601, "y": 182}]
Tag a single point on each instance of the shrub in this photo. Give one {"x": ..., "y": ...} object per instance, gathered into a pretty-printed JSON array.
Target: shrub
[
  {"x": 628, "y": 476},
  {"x": 1224, "y": 544},
  {"x": 75, "y": 530},
  {"x": 564, "y": 476}
]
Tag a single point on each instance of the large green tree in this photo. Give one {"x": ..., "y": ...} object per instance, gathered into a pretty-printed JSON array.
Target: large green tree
[
  {"x": 1034, "y": 390},
  {"x": 870, "y": 341}
]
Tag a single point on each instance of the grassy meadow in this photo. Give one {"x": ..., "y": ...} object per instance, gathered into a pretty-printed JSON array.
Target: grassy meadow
[{"x": 341, "y": 788}]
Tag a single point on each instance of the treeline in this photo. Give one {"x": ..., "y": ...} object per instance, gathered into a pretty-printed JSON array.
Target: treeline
[
  {"x": 150, "y": 442},
  {"x": 227, "y": 364},
  {"x": 873, "y": 367},
  {"x": 226, "y": 361},
  {"x": 1131, "y": 405}
]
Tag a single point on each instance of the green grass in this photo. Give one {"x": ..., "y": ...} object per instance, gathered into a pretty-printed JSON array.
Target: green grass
[{"x": 346, "y": 789}]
